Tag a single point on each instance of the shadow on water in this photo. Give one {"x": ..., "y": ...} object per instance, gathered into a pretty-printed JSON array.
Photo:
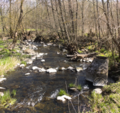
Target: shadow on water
[{"x": 40, "y": 89}]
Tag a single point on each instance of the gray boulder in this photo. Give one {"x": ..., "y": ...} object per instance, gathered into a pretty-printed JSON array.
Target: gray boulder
[{"x": 97, "y": 71}]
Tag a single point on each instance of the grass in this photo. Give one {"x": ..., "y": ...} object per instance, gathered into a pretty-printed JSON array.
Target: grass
[
  {"x": 6, "y": 100},
  {"x": 7, "y": 64},
  {"x": 109, "y": 101},
  {"x": 23, "y": 62},
  {"x": 62, "y": 92}
]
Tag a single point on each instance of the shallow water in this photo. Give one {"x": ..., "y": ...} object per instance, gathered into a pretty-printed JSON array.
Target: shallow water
[{"x": 37, "y": 92}]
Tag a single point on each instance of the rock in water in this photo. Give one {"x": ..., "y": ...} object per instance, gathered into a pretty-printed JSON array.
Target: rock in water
[
  {"x": 51, "y": 70},
  {"x": 78, "y": 69},
  {"x": 97, "y": 72}
]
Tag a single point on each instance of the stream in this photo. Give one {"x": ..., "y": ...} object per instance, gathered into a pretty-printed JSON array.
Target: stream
[{"x": 37, "y": 92}]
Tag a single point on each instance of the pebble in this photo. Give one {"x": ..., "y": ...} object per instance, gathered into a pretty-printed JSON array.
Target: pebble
[
  {"x": 30, "y": 62},
  {"x": 27, "y": 73},
  {"x": 70, "y": 68},
  {"x": 35, "y": 68},
  {"x": 63, "y": 98},
  {"x": 78, "y": 69},
  {"x": 51, "y": 70},
  {"x": 22, "y": 65},
  {"x": 43, "y": 60},
  {"x": 42, "y": 70},
  {"x": 2, "y": 88}
]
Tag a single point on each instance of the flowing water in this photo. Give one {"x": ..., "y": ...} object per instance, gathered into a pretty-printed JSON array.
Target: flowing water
[{"x": 37, "y": 92}]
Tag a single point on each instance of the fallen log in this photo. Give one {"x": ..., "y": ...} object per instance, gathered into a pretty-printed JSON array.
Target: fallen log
[{"x": 81, "y": 56}]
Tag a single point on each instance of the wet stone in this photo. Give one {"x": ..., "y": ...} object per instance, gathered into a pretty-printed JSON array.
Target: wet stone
[{"x": 97, "y": 71}]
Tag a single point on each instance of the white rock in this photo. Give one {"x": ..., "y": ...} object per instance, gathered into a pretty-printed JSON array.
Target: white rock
[
  {"x": 43, "y": 60},
  {"x": 64, "y": 50},
  {"x": 2, "y": 88},
  {"x": 90, "y": 59},
  {"x": 70, "y": 68},
  {"x": 49, "y": 44},
  {"x": 28, "y": 67},
  {"x": 27, "y": 73},
  {"x": 51, "y": 70},
  {"x": 33, "y": 58},
  {"x": 35, "y": 68},
  {"x": 45, "y": 53},
  {"x": 98, "y": 90},
  {"x": 42, "y": 70},
  {"x": 61, "y": 98},
  {"x": 62, "y": 68},
  {"x": 85, "y": 87},
  {"x": 78, "y": 69},
  {"x": 1, "y": 94},
  {"x": 22, "y": 65},
  {"x": 66, "y": 97},
  {"x": 81, "y": 60},
  {"x": 44, "y": 45},
  {"x": 30, "y": 62},
  {"x": 2, "y": 79},
  {"x": 58, "y": 53}
]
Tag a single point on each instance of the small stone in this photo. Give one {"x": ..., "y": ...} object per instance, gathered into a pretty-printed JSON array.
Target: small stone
[
  {"x": 2, "y": 88},
  {"x": 58, "y": 53},
  {"x": 33, "y": 58},
  {"x": 73, "y": 89},
  {"x": 1, "y": 94},
  {"x": 35, "y": 68},
  {"x": 64, "y": 50},
  {"x": 42, "y": 60},
  {"x": 49, "y": 44},
  {"x": 70, "y": 68},
  {"x": 30, "y": 62},
  {"x": 22, "y": 65},
  {"x": 51, "y": 70},
  {"x": 42, "y": 70},
  {"x": 98, "y": 90},
  {"x": 85, "y": 87},
  {"x": 2, "y": 79},
  {"x": 27, "y": 74},
  {"x": 62, "y": 69},
  {"x": 78, "y": 69}
]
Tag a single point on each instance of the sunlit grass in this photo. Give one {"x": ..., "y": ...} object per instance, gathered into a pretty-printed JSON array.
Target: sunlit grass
[
  {"x": 7, "y": 64},
  {"x": 6, "y": 100}
]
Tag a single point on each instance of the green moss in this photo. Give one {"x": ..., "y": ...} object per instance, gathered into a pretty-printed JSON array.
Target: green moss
[
  {"x": 23, "y": 62},
  {"x": 79, "y": 87},
  {"x": 62, "y": 92},
  {"x": 6, "y": 100},
  {"x": 109, "y": 102},
  {"x": 102, "y": 50},
  {"x": 79, "y": 51},
  {"x": 71, "y": 85}
]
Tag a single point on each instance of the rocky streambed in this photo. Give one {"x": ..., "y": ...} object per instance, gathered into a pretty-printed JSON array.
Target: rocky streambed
[{"x": 38, "y": 83}]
